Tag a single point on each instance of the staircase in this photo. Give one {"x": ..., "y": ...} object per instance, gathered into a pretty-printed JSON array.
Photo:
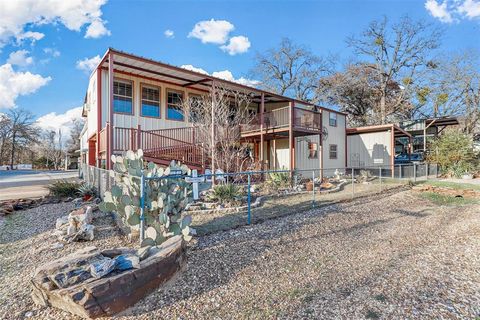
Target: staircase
[{"x": 162, "y": 146}]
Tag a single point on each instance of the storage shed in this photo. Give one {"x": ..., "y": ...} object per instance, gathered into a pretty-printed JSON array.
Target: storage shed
[{"x": 376, "y": 146}]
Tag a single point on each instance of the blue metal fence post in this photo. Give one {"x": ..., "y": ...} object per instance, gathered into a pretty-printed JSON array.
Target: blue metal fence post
[
  {"x": 249, "y": 200},
  {"x": 313, "y": 189},
  {"x": 142, "y": 206}
]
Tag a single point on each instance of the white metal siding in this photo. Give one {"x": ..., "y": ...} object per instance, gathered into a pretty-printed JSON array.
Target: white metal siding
[
  {"x": 337, "y": 136},
  {"x": 302, "y": 152},
  {"x": 369, "y": 149}
]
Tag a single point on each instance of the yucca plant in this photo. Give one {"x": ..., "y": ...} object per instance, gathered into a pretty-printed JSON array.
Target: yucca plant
[
  {"x": 87, "y": 191},
  {"x": 165, "y": 197},
  {"x": 64, "y": 188},
  {"x": 226, "y": 194}
]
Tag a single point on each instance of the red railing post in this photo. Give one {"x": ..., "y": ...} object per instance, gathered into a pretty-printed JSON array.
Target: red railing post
[
  {"x": 108, "y": 146},
  {"x": 139, "y": 138}
]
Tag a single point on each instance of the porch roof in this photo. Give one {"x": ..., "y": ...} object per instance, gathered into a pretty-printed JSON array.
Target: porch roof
[
  {"x": 399, "y": 132},
  {"x": 128, "y": 63}
]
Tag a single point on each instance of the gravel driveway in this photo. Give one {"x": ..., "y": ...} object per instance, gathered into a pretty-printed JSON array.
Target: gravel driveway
[{"x": 389, "y": 256}]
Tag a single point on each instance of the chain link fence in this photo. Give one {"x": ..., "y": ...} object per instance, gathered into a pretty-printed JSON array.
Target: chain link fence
[{"x": 241, "y": 198}]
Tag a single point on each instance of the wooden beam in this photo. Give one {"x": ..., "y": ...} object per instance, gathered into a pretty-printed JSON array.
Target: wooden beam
[{"x": 196, "y": 82}]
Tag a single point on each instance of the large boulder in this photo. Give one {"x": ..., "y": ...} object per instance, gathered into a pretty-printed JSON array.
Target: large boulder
[{"x": 69, "y": 284}]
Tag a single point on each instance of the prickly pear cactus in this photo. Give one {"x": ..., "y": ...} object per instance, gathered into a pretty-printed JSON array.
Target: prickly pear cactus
[{"x": 165, "y": 198}]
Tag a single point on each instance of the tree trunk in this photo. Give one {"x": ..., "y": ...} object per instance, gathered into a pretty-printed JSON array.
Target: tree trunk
[
  {"x": 12, "y": 155},
  {"x": 382, "y": 108}
]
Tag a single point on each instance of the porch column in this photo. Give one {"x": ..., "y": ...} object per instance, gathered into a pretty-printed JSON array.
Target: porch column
[
  {"x": 291, "y": 139},
  {"x": 212, "y": 115},
  {"x": 99, "y": 114},
  {"x": 110, "y": 112},
  {"x": 262, "y": 107}
]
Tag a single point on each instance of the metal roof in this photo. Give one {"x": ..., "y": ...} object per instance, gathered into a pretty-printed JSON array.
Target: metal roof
[
  {"x": 379, "y": 128},
  {"x": 135, "y": 65}
]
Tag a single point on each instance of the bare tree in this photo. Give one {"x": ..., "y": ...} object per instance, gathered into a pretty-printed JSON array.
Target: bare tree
[
  {"x": 73, "y": 142},
  {"x": 452, "y": 88},
  {"x": 357, "y": 91},
  {"x": 291, "y": 70},
  {"x": 5, "y": 135},
  {"x": 398, "y": 54},
  {"x": 22, "y": 131},
  {"x": 220, "y": 134}
]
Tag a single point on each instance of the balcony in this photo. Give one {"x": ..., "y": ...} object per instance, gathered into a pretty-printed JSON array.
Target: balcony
[{"x": 279, "y": 120}]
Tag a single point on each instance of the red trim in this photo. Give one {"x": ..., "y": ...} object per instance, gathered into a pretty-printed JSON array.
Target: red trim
[
  {"x": 99, "y": 111},
  {"x": 111, "y": 79}
]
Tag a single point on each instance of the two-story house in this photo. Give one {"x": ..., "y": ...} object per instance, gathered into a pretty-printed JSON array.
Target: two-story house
[{"x": 133, "y": 102}]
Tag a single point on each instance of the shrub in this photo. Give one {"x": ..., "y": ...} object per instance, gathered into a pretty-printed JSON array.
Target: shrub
[
  {"x": 277, "y": 180},
  {"x": 64, "y": 188},
  {"x": 227, "y": 194},
  {"x": 87, "y": 191},
  {"x": 165, "y": 198},
  {"x": 453, "y": 152}
]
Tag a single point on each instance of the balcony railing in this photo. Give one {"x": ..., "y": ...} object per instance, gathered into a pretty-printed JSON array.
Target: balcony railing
[{"x": 280, "y": 118}]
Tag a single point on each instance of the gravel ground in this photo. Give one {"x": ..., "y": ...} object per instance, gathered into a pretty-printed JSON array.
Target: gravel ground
[
  {"x": 388, "y": 256},
  {"x": 26, "y": 241}
]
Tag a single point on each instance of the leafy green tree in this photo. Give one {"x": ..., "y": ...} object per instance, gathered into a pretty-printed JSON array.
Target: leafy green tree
[{"x": 454, "y": 153}]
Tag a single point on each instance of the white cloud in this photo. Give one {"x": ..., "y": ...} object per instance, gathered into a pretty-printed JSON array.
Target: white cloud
[
  {"x": 15, "y": 16},
  {"x": 29, "y": 35},
  {"x": 212, "y": 31},
  {"x": 236, "y": 45},
  {"x": 169, "y": 34},
  {"x": 192, "y": 68},
  {"x": 63, "y": 121},
  {"x": 88, "y": 64},
  {"x": 14, "y": 84},
  {"x": 450, "y": 11},
  {"x": 439, "y": 11},
  {"x": 52, "y": 51},
  {"x": 470, "y": 8},
  {"x": 225, "y": 75},
  {"x": 20, "y": 58},
  {"x": 97, "y": 29}
]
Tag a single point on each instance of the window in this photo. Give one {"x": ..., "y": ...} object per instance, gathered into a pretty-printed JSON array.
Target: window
[
  {"x": 194, "y": 108},
  {"x": 174, "y": 105},
  {"x": 150, "y": 102},
  {"x": 312, "y": 150},
  {"x": 122, "y": 97},
  {"x": 333, "y": 151},
  {"x": 332, "y": 119}
]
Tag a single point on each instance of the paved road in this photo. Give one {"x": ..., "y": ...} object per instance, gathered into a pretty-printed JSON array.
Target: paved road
[{"x": 28, "y": 183}]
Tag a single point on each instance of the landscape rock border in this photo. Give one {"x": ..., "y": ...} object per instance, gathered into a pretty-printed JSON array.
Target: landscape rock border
[{"x": 106, "y": 296}]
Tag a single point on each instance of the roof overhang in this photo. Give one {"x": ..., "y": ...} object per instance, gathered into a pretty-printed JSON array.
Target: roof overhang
[
  {"x": 399, "y": 132},
  {"x": 134, "y": 65}
]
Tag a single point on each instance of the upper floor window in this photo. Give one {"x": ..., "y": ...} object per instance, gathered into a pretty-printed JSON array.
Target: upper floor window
[
  {"x": 312, "y": 150},
  {"x": 332, "y": 119},
  {"x": 122, "y": 97},
  {"x": 150, "y": 101},
  {"x": 333, "y": 151},
  {"x": 175, "y": 105}
]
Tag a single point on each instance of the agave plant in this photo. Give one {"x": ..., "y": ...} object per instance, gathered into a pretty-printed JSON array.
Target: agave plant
[{"x": 165, "y": 197}]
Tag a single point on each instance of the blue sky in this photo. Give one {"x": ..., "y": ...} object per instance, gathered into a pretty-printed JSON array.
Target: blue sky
[{"x": 41, "y": 48}]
